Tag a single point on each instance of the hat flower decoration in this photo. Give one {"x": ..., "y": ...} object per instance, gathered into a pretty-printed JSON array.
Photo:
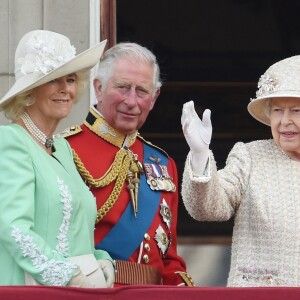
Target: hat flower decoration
[
  {"x": 42, "y": 56},
  {"x": 281, "y": 80},
  {"x": 50, "y": 54},
  {"x": 266, "y": 85}
]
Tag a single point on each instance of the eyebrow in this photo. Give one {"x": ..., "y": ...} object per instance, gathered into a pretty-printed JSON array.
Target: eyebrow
[{"x": 71, "y": 75}]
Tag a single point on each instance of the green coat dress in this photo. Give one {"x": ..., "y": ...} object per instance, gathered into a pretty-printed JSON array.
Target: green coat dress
[{"x": 47, "y": 213}]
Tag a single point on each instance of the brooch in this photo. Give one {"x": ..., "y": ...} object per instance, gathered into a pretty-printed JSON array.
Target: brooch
[
  {"x": 163, "y": 242},
  {"x": 166, "y": 213}
]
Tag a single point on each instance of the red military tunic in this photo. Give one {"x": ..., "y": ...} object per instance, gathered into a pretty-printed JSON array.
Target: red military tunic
[{"x": 97, "y": 152}]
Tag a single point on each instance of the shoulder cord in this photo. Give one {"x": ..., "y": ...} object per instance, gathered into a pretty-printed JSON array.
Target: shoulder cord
[{"x": 117, "y": 171}]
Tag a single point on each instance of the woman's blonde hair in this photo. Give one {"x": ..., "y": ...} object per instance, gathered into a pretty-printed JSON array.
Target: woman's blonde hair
[{"x": 14, "y": 108}]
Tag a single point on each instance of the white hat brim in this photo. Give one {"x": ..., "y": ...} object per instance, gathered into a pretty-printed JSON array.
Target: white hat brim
[
  {"x": 257, "y": 107},
  {"x": 82, "y": 62}
]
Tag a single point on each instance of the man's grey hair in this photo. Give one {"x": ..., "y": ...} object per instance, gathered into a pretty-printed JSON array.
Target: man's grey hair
[{"x": 127, "y": 50}]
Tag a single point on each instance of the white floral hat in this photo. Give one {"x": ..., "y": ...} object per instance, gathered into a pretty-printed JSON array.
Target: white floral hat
[
  {"x": 42, "y": 56},
  {"x": 282, "y": 79}
]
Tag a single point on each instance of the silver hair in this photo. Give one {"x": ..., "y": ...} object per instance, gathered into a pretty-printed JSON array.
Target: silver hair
[
  {"x": 127, "y": 50},
  {"x": 267, "y": 107}
]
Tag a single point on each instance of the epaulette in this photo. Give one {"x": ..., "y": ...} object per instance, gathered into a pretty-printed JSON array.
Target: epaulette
[
  {"x": 72, "y": 130},
  {"x": 152, "y": 145},
  {"x": 187, "y": 279}
]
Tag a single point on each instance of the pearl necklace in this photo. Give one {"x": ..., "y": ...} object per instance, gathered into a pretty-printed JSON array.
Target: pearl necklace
[
  {"x": 36, "y": 132},
  {"x": 285, "y": 154}
]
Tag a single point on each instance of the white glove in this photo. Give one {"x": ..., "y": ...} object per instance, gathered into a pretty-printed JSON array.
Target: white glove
[
  {"x": 108, "y": 271},
  {"x": 197, "y": 134},
  {"x": 79, "y": 280}
]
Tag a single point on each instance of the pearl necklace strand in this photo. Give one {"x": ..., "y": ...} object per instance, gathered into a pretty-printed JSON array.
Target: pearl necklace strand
[
  {"x": 36, "y": 132},
  {"x": 285, "y": 154}
]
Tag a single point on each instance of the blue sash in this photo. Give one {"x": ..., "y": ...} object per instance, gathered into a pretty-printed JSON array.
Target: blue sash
[{"x": 126, "y": 236}]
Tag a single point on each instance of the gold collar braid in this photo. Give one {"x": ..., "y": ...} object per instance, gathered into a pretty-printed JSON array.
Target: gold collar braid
[
  {"x": 125, "y": 166},
  {"x": 97, "y": 124}
]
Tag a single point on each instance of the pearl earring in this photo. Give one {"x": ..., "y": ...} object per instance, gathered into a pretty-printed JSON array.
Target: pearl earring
[{"x": 28, "y": 101}]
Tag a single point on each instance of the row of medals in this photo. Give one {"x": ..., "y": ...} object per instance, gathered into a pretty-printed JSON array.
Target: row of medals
[{"x": 161, "y": 182}]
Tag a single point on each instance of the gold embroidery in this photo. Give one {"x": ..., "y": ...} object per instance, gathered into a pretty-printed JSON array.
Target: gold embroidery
[
  {"x": 108, "y": 133},
  {"x": 70, "y": 131},
  {"x": 124, "y": 167}
]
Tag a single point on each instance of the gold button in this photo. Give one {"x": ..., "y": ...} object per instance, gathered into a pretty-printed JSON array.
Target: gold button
[
  {"x": 147, "y": 237},
  {"x": 146, "y": 258},
  {"x": 147, "y": 247},
  {"x": 164, "y": 239}
]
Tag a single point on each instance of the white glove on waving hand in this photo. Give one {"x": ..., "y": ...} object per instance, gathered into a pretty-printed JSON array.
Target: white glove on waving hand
[{"x": 198, "y": 134}]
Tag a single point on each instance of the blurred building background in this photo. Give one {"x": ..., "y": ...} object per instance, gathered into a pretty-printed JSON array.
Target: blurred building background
[{"x": 212, "y": 52}]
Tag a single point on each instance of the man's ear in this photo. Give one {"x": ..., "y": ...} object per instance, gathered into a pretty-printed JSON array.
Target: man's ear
[
  {"x": 154, "y": 98},
  {"x": 98, "y": 88}
]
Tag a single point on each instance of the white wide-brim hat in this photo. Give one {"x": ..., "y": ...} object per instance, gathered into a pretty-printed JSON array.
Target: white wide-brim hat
[
  {"x": 280, "y": 80},
  {"x": 42, "y": 56}
]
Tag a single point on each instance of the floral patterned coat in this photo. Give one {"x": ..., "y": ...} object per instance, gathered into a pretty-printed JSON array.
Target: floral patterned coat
[
  {"x": 47, "y": 213},
  {"x": 259, "y": 187}
]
